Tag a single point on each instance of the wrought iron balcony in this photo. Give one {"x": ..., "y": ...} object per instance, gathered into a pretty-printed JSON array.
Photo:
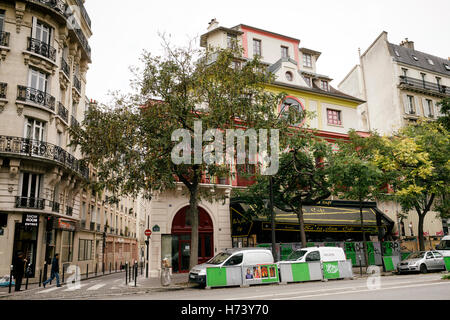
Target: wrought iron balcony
[
  {"x": 41, "y": 149},
  {"x": 57, "y": 5},
  {"x": 84, "y": 12},
  {"x": 63, "y": 112},
  {"x": 3, "y": 87},
  {"x": 41, "y": 48},
  {"x": 77, "y": 83},
  {"x": 55, "y": 206},
  {"x": 4, "y": 39},
  {"x": 424, "y": 86},
  {"x": 65, "y": 67},
  {"x": 84, "y": 42},
  {"x": 74, "y": 122},
  {"x": 27, "y": 94},
  {"x": 30, "y": 203},
  {"x": 92, "y": 226},
  {"x": 69, "y": 211}
]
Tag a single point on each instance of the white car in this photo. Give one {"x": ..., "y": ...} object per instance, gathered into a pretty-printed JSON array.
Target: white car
[{"x": 422, "y": 261}]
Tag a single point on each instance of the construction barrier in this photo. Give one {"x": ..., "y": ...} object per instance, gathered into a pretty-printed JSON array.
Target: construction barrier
[
  {"x": 260, "y": 274},
  {"x": 300, "y": 271},
  {"x": 447, "y": 263},
  {"x": 337, "y": 270},
  {"x": 223, "y": 276},
  {"x": 390, "y": 263}
]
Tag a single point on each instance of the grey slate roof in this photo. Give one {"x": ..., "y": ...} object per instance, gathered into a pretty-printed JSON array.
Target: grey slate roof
[{"x": 406, "y": 57}]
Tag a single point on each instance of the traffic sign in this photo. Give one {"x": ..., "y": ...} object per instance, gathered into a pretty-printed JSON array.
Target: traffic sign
[{"x": 148, "y": 232}]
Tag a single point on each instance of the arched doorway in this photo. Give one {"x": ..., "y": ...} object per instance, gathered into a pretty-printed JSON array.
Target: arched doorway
[{"x": 181, "y": 240}]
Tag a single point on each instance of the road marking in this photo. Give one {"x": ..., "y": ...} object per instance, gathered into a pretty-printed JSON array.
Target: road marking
[
  {"x": 367, "y": 290},
  {"x": 50, "y": 290},
  {"x": 322, "y": 290},
  {"x": 97, "y": 286},
  {"x": 76, "y": 287}
]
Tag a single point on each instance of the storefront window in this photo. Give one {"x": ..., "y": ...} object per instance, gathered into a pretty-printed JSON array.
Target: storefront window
[
  {"x": 67, "y": 246},
  {"x": 25, "y": 240},
  {"x": 85, "y": 250}
]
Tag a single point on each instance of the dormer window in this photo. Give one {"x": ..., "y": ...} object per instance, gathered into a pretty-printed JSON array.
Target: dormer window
[
  {"x": 447, "y": 67},
  {"x": 397, "y": 53},
  {"x": 308, "y": 81},
  {"x": 415, "y": 58},
  {"x": 307, "y": 60},
  {"x": 231, "y": 41},
  {"x": 284, "y": 52},
  {"x": 430, "y": 61},
  {"x": 324, "y": 85},
  {"x": 289, "y": 76},
  {"x": 257, "y": 47}
]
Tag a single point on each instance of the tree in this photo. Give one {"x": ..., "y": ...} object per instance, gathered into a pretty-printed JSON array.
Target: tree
[
  {"x": 301, "y": 180},
  {"x": 445, "y": 111},
  {"x": 354, "y": 174},
  {"x": 417, "y": 161},
  {"x": 131, "y": 142}
]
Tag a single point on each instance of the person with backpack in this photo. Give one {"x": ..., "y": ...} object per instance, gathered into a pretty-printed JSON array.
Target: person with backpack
[{"x": 54, "y": 271}]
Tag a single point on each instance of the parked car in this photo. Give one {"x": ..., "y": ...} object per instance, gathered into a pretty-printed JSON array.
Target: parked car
[
  {"x": 422, "y": 261},
  {"x": 444, "y": 246},
  {"x": 231, "y": 257},
  {"x": 322, "y": 254}
]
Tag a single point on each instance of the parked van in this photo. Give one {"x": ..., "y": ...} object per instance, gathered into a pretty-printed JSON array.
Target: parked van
[
  {"x": 322, "y": 254},
  {"x": 231, "y": 257},
  {"x": 444, "y": 246}
]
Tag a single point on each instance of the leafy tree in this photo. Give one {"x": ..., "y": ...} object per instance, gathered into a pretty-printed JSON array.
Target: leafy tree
[
  {"x": 445, "y": 111},
  {"x": 418, "y": 164},
  {"x": 301, "y": 180},
  {"x": 130, "y": 141},
  {"x": 354, "y": 174}
]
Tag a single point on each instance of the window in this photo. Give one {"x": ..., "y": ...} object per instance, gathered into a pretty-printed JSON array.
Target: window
[
  {"x": 34, "y": 129},
  {"x": 85, "y": 250},
  {"x": 334, "y": 117},
  {"x": 429, "y": 108},
  {"x": 438, "y": 81},
  {"x": 324, "y": 85},
  {"x": 231, "y": 41},
  {"x": 410, "y": 106},
  {"x": 235, "y": 260},
  {"x": 447, "y": 67},
  {"x": 307, "y": 60},
  {"x": 308, "y": 81},
  {"x": 236, "y": 65},
  {"x": 31, "y": 186},
  {"x": 430, "y": 61},
  {"x": 296, "y": 106},
  {"x": 430, "y": 255},
  {"x": 289, "y": 76},
  {"x": 83, "y": 211},
  {"x": 2, "y": 21},
  {"x": 284, "y": 52},
  {"x": 41, "y": 31},
  {"x": 437, "y": 255},
  {"x": 67, "y": 246},
  {"x": 313, "y": 256},
  {"x": 415, "y": 58},
  {"x": 405, "y": 72},
  {"x": 397, "y": 53},
  {"x": 37, "y": 80},
  {"x": 256, "y": 47}
]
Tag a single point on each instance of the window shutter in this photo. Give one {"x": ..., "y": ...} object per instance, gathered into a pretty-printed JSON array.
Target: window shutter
[
  {"x": 406, "y": 104},
  {"x": 417, "y": 107},
  {"x": 34, "y": 28}
]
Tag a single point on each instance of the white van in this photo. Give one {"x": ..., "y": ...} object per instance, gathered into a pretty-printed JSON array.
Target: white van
[
  {"x": 322, "y": 254},
  {"x": 444, "y": 246},
  {"x": 231, "y": 257}
]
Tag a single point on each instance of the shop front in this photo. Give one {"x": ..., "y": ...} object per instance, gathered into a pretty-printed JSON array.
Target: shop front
[{"x": 25, "y": 239}]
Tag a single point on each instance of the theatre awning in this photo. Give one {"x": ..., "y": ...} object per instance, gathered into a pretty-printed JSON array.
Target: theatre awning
[{"x": 328, "y": 216}]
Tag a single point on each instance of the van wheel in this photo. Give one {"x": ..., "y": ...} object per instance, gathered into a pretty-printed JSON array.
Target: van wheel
[{"x": 423, "y": 268}]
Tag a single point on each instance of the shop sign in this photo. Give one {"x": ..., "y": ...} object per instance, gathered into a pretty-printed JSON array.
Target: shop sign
[
  {"x": 30, "y": 220},
  {"x": 66, "y": 225},
  {"x": 319, "y": 228}
]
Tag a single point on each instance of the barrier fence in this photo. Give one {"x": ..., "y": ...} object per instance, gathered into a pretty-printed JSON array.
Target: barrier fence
[{"x": 447, "y": 263}]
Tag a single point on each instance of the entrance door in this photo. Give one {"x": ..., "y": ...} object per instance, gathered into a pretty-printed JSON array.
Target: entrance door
[
  {"x": 184, "y": 252},
  {"x": 25, "y": 240}
]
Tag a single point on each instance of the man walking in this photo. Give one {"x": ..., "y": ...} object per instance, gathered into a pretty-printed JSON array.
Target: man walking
[
  {"x": 54, "y": 271},
  {"x": 19, "y": 269}
]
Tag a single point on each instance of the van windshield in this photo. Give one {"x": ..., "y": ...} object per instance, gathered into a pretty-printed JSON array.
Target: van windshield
[
  {"x": 295, "y": 255},
  {"x": 444, "y": 245},
  {"x": 218, "y": 259}
]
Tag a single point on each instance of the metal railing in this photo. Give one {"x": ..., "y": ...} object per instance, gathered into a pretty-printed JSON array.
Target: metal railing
[
  {"x": 30, "y": 203},
  {"x": 27, "y": 94},
  {"x": 41, "y": 48},
  {"x": 77, "y": 83},
  {"x": 69, "y": 211},
  {"x": 74, "y": 122},
  {"x": 63, "y": 112},
  {"x": 65, "y": 67},
  {"x": 84, "y": 12},
  {"x": 57, "y": 5},
  {"x": 4, "y": 39},
  {"x": 424, "y": 85},
  {"x": 41, "y": 149},
  {"x": 55, "y": 206},
  {"x": 3, "y": 88}
]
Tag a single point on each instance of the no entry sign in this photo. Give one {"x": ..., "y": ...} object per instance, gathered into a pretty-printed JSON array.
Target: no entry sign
[{"x": 148, "y": 232}]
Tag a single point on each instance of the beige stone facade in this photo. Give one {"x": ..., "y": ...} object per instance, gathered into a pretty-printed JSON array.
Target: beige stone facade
[{"x": 44, "y": 58}]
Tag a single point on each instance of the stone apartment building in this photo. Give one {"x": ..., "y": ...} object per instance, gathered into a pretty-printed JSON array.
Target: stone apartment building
[
  {"x": 45, "y": 207},
  {"x": 400, "y": 85}
]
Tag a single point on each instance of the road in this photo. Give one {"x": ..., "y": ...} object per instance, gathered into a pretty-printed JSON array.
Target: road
[{"x": 113, "y": 287}]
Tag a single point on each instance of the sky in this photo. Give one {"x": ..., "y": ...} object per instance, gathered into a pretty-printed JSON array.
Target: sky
[{"x": 337, "y": 28}]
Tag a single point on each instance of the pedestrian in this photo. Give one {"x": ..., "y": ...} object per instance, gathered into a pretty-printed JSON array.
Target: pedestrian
[
  {"x": 54, "y": 271},
  {"x": 19, "y": 269}
]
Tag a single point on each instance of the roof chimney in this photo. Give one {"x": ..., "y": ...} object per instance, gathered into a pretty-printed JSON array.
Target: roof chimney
[
  {"x": 213, "y": 24},
  {"x": 407, "y": 44}
]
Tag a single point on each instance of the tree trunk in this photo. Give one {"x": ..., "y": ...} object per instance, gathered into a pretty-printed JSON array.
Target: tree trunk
[
  {"x": 366, "y": 255},
  {"x": 301, "y": 221},
  {"x": 272, "y": 213},
  {"x": 420, "y": 228},
  {"x": 193, "y": 212}
]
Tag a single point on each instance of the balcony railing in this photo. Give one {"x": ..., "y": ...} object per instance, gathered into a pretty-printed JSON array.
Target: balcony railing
[
  {"x": 30, "y": 203},
  {"x": 4, "y": 39},
  {"x": 424, "y": 85},
  {"x": 84, "y": 42},
  {"x": 65, "y": 67},
  {"x": 27, "y": 94},
  {"x": 3, "y": 87},
  {"x": 42, "y": 48},
  {"x": 41, "y": 149},
  {"x": 98, "y": 227},
  {"x": 74, "y": 122},
  {"x": 77, "y": 83},
  {"x": 84, "y": 12},
  {"x": 69, "y": 211},
  {"x": 57, "y": 5},
  {"x": 63, "y": 112},
  {"x": 55, "y": 206}
]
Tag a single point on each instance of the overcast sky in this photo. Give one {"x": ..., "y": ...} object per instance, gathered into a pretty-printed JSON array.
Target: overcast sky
[{"x": 337, "y": 28}]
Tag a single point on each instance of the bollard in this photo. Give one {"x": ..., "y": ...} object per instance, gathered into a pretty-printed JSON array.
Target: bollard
[
  {"x": 44, "y": 277},
  {"x": 129, "y": 272},
  {"x": 126, "y": 272},
  {"x": 103, "y": 268},
  {"x": 110, "y": 268},
  {"x": 135, "y": 273},
  {"x": 10, "y": 277},
  {"x": 142, "y": 270},
  {"x": 146, "y": 269},
  {"x": 115, "y": 266},
  {"x": 95, "y": 269},
  {"x": 360, "y": 265},
  {"x": 40, "y": 277},
  {"x": 63, "y": 275},
  {"x": 87, "y": 271}
]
